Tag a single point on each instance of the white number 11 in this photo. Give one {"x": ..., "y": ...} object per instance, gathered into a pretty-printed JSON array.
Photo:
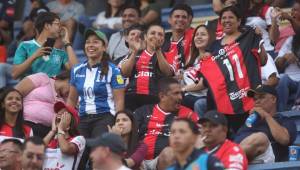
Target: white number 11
[{"x": 238, "y": 67}]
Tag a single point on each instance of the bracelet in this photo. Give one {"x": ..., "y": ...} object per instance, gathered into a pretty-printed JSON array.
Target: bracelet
[
  {"x": 68, "y": 44},
  {"x": 61, "y": 133}
]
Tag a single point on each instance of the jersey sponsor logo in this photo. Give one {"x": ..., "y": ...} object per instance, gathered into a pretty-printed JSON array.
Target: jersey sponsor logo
[
  {"x": 239, "y": 94},
  {"x": 143, "y": 74},
  {"x": 120, "y": 79},
  {"x": 156, "y": 133},
  {"x": 79, "y": 75},
  {"x": 58, "y": 166},
  {"x": 236, "y": 158}
]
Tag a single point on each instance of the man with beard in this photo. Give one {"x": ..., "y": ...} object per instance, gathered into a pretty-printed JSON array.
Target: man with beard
[{"x": 154, "y": 121}]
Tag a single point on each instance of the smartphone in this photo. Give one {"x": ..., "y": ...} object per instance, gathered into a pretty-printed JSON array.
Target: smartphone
[{"x": 49, "y": 42}]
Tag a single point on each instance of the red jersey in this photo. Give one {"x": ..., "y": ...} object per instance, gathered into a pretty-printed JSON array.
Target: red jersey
[
  {"x": 145, "y": 74},
  {"x": 154, "y": 126},
  {"x": 231, "y": 155},
  {"x": 178, "y": 52},
  {"x": 231, "y": 72},
  {"x": 8, "y": 131},
  {"x": 217, "y": 27}
]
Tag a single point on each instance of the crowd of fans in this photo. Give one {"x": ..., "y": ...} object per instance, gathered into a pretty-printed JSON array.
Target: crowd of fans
[{"x": 146, "y": 97}]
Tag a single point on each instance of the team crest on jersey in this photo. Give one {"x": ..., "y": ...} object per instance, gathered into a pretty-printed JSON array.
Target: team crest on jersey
[{"x": 120, "y": 79}]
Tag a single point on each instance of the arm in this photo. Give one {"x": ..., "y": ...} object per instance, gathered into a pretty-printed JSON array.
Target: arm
[
  {"x": 25, "y": 86},
  {"x": 119, "y": 98},
  {"x": 272, "y": 80},
  {"x": 127, "y": 65},
  {"x": 73, "y": 96},
  {"x": 51, "y": 133},
  {"x": 163, "y": 65},
  {"x": 72, "y": 59},
  {"x": 263, "y": 55},
  {"x": 151, "y": 16},
  {"x": 217, "y": 5},
  {"x": 194, "y": 87},
  {"x": 274, "y": 28},
  {"x": 294, "y": 22},
  {"x": 65, "y": 146},
  {"x": 19, "y": 69},
  {"x": 138, "y": 156}
]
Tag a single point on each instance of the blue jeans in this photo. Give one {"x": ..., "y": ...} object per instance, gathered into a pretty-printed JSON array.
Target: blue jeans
[
  {"x": 5, "y": 74},
  {"x": 200, "y": 106},
  {"x": 288, "y": 92}
]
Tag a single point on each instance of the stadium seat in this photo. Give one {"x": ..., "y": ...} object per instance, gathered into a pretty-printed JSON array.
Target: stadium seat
[
  {"x": 291, "y": 165},
  {"x": 80, "y": 56}
]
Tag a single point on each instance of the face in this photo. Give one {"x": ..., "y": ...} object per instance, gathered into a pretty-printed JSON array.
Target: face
[
  {"x": 13, "y": 102},
  {"x": 94, "y": 47},
  {"x": 124, "y": 122},
  {"x": 133, "y": 35},
  {"x": 155, "y": 34},
  {"x": 296, "y": 11},
  {"x": 63, "y": 90},
  {"x": 265, "y": 101},
  {"x": 54, "y": 28},
  {"x": 179, "y": 20},
  {"x": 98, "y": 156},
  {"x": 10, "y": 156},
  {"x": 115, "y": 3},
  {"x": 201, "y": 38},
  {"x": 230, "y": 22},
  {"x": 173, "y": 97},
  {"x": 60, "y": 113},
  {"x": 214, "y": 133},
  {"x": 129, "y": 17},
  {"x": 33, "y": 156},
  {"x": 181, "y": 137}
]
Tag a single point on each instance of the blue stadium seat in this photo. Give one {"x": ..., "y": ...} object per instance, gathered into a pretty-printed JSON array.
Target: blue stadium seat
[
  {"x": 292, "y": 165},
  {"x": 80, "y": 56},
  {"x": 294, "y": 115}
]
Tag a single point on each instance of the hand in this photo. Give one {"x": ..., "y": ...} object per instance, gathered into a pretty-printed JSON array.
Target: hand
[
  {"x": 54, "y": 127},
  {"x": 276, "y": 13},
  {"x": 157, "y": 44},
  {"x": 42, "y": 51},
  {"x": 136, "y": 45},
  {"x": 64, "y": 122},
  {"x": 115, "y": 129},
  {"x": 262, "y": 113},
  {"x": 258, "y": 31},
  {"x": 65, "y": 35},
  {"x": 285, "y": 16},
  {"x": 290, "y": 58}
]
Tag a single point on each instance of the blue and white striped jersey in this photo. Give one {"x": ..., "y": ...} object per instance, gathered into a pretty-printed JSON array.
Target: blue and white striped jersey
[{"x": 95, "y": 93}]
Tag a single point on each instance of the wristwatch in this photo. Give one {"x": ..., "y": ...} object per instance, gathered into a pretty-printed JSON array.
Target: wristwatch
[
  {"x": 60, "y": 132},
  {"x": 68, "y": 44}
]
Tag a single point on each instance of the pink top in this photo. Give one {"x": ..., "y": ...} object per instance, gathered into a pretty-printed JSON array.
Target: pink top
[{"x": 38, "y": 104}]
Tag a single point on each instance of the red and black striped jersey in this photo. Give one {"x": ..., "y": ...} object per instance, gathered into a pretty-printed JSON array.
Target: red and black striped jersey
[
  {"x": 154, "y": 126},
  {"x": 231, "y": 71},
  {"x": 145, "y": 74}
]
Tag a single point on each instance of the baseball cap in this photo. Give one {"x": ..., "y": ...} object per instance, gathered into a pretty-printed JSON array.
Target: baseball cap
[
  {"x": 61, "y": 105},
  {"x": 98, "y": 33},
  {"x": 262, "y": 89},
  {"x": 214, "y": 117},
  {"x": 111, "y": 140}
]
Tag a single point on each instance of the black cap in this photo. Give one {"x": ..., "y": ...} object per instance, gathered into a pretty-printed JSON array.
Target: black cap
[
  {"x": 214, "y": 117},
  {"x": 262, "y": 89},
  {"x": 111, "y": 140}
]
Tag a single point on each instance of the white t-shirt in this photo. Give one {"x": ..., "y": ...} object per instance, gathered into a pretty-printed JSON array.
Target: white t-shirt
[
  {"x": 55, "y": 159},
  {"x": 268, "y": 69},
  {"x": 124, "y": 168},
  {"x": 292, "y": 70},
  {"x": 110, "y": 22}
]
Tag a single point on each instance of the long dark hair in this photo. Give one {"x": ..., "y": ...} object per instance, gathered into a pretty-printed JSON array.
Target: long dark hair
[
  {"x": 108, "y": 11},
  {"x": 73, "y": 131},
  {"x": 18, "y": 130},
  {"x": 133, "y": 135},
  {"x": 194, "y": 50}
]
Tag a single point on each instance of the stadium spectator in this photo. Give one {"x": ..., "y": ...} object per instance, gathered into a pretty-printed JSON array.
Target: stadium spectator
[
  {"x": 40, "y": 93},
  {"x": 108, "y": 152},
  {"x": 238, "y": 56},
  {"x": 183, "y": 136},
  {"x": 125, "y": 125},
  {"x": 193, "y": 98},
  {"x": 269, "y": 137},
  {"x": 110, "y": 21},
  {"x": 10, "y": 154},
  {"x": 33, "y": 153},
  {"x": 144, "y": 67},
  {"x": 150, "y": 12},
  {"x": 116, "y": 46},
  {"x": 178, "y": 42},
  {"x": 11, "y": 115},
  {"x": 69, "y": 12},
  {"x": 154, "y": 121},
  {"x": 64, "y": 144},
  {"x": 98, "y": 85},
  {"x": 132, "y": 34},
  {"x": 32, "y": 57},
  {"x": 214, "y": 131},
  {"x": 287, "y": 61}
]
